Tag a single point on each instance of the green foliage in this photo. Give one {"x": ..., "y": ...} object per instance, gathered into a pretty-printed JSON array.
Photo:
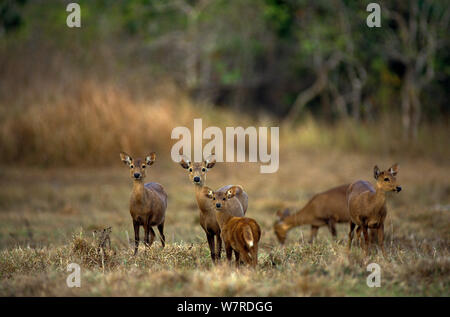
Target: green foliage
[
  {"x": 275, "y": 46},
  {"x": 10, "y": 15},
  {"x": 280, "y": 16}
]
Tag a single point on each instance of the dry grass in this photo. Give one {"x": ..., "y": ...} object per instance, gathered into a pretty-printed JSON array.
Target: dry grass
[
  {"x": 92, "y": 123},
  {"x": 71, "y": 118},
  {"x": 47, "y": 218}
]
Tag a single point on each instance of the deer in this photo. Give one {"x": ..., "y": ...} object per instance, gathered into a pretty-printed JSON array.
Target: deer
[
  {"x": 367, "y": 205},
  {"x": 148, "y": 202},
  {"x": 103, "y": 238},
  {"x": 323, "y": 209},
  {"x": 240, "y": 234},
  {"x": 197, "y": 175}
]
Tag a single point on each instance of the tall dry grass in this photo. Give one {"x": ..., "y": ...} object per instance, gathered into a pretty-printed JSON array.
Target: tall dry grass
[
  {"x": 93, "y": 121},
  {"x": 381, "y": 137},
  {"x": 54, "y": 113},
  {"x": 87, "y": 125}
]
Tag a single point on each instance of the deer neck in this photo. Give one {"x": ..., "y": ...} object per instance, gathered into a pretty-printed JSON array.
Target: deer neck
[
  {"x": 202, "y": 201},
  {"x": 222, "y": 218},
  {"x": 378, "y": 199},
  {"x": 138, "y": 194},
  {"x": 301, "y": 217}
]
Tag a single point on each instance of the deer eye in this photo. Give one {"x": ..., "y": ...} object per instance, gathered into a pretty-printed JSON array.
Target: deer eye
[
  {"x": 214, "y": 198},
  {"x": 203, "y": 169},
  {"x": 386, "y": 179},
  {"x": 131, "y": 166},
  {"x": 143, "y": 166},
  {"x": 224, "y": 199},
  {"x": 190, "y": 169}
]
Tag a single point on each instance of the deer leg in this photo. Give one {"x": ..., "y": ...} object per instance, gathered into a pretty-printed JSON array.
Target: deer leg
[
  {"x": 228, "y": 251},
  {"x": 136, "y": 236},
  {"x": 212, "y": 248},
  {"x": 254, "y": 253},
  {"x": 219, "y": 246},
  {"x": 246, "y": 258},
  {"x": 350, "y": 235},
  {"x": 314, "y": 230},
  {"x": 236, "y": 255},
  {"x": 161, "y": 234},
  {"x": 358, "y": 236},
  {"x": 366, "y": 240},
  {"x": 332, "y": 227},
  {"x": 373, "y": 235},
  {"x": 146, "y": 234},
  {"x": 381, "y": 239},
  {"x": 152, "y": 236}
]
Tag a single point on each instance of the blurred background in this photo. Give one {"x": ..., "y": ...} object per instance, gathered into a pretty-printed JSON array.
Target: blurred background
[
  {"x": 136, "y": 69},
  {"x": 345, "y": 96}
]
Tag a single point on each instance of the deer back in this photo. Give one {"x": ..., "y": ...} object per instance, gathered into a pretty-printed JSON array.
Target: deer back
[
  {"x": 358, "y": 198},
  {"x": 333, "y": 204}
]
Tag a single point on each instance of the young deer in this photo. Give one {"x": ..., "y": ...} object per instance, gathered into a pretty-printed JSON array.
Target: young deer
[
  {"x": 208, "y": 221},
  {"x": 148, "y": 201},
  {"x": 367, "y": 205},
  {"x": 324, "y": 209},
  {"x": 240, "y": 234}
]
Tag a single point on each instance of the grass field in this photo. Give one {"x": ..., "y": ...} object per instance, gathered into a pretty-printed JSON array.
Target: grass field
[{"x": 47, "y": 218}]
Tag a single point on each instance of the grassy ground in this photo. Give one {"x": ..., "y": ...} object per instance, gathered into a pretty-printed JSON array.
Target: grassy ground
[{"x": 47, "y": 218}]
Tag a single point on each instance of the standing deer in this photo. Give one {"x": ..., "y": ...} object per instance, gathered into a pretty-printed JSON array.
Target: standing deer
[
  {"x": 367, "y": 205},
  {"x": 324, "y": 209},
  {"x": 240, "y": 234},
  {"x": 208, "y": 221},
  {"x": 148, "y": 201}
]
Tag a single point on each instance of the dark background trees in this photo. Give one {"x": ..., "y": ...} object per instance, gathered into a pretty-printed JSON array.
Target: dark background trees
[{"x": 282, "y": 57}]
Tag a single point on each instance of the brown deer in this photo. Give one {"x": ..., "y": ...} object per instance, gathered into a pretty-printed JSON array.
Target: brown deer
[
  {"x": 240, "y": 234},
  {"x": 324, "y": 209},
  {"x": 148, "y": 201},
  {"x": 367, "y": 205},
  {"x": 208, "y": 221}
]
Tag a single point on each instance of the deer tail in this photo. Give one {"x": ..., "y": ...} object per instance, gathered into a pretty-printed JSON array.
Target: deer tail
[{"x": 248, "y": 236}]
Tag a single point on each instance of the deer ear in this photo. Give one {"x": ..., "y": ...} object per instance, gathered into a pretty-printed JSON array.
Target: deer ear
[
  {"x": 126, "y": 158},
  {"x": 286, "y": 212},
  {"x": 376, "y": 172},
  {"x": 233, "y": 191},
  {"x": 393, "y": 169},
  {"x": 208, "y": 192},
  {"x": 185, "y": 162},
  {"x": 281, "y": 214},
  {"x": 149, "y": 160},
  {"x": 210, "y": 161}
]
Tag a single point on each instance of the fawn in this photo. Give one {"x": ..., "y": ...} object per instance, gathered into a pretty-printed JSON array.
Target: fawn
[
  {"x": 148, "y": 201},
  {"x": 367, "y": 205},
  {"x": 324, "y": 209},
  {"x": 208, "y": 221},
  {"x": 240, "y": 234}
]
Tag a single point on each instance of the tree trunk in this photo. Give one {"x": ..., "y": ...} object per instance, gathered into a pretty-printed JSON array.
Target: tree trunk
[
  {"x": 411, "y": 106},
  {"x": 306, "y": 96}
]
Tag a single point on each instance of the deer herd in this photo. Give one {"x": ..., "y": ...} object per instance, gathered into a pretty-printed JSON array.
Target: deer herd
[{"x": 223, "y": 211}]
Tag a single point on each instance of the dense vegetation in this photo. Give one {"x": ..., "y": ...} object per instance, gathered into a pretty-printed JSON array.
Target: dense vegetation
[{"x": 282, "y": 57}]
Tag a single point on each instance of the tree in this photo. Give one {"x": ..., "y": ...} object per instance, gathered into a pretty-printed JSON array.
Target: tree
[
  {"x": 329, "y": 44},
  {"x": 417, "y": 32}
]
